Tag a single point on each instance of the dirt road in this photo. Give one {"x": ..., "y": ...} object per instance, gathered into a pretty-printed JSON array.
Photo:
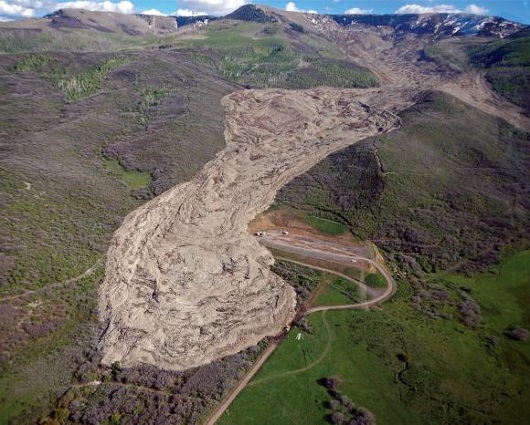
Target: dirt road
[
  {"x": 55, "y": 285},
  {"x": 389, "y": 291},
  {"x": 220, "y": 409},
  {"x": 322, "y": 249},
  {"x": 314, "y": 247}
]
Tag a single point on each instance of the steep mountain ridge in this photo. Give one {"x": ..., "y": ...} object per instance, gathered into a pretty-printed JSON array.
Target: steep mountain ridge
[
  {"x": 439, "y": 25},
  {"x": 253, "y": 13},
  {"x": 111, "y": 24},
  {"x": 82, "y": 30}
]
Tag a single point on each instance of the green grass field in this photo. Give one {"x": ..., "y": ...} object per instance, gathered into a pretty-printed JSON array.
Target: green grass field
[
  {"x": 375, "y": 280},
  {"x": 134, "y": 179},
  {"x": 340, "y": 291},
  {"x": 325, "y": 226},
  {"x": 403, "y": 366},
  {"x": 504, "y": 296}
]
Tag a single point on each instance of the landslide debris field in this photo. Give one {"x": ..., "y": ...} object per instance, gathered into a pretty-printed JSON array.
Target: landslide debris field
[{"x": 185, "y": 281}]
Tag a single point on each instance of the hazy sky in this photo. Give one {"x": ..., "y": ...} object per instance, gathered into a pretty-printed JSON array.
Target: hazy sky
[{"x": 517, "y": 10}]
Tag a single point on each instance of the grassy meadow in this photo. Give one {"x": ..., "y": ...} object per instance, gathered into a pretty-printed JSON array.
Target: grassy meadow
[
  {"x": 326, "y": 226},
  {"x": 340, "y": 291},
  {"x": 403, "y": 366}
]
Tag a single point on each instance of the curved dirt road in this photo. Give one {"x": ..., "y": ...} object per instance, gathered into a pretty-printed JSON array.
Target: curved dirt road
[{"x": 390, "y": 289}]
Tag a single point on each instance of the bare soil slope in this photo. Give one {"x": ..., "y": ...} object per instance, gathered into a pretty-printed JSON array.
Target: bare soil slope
[{"x": 185, "y": 282}]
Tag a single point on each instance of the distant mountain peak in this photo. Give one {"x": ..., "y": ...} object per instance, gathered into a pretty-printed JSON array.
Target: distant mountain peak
[
  {"x": 254, "y": 13},
  {"x": 111, "y": 22}
]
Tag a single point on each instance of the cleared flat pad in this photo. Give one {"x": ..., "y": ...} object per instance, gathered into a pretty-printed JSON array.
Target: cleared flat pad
[{"x": 185, "y": 283}]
